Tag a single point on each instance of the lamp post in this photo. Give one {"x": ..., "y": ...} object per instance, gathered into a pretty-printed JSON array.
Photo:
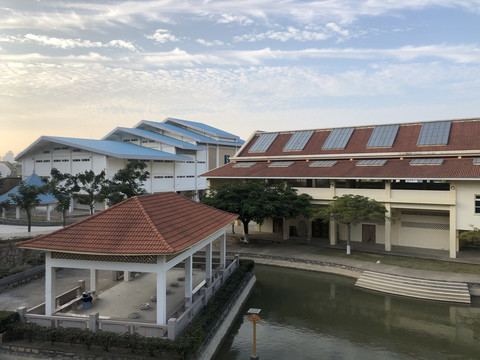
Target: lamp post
[{"x": 254, "y": 318}]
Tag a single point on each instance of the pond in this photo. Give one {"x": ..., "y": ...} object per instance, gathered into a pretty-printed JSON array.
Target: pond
[{"x": 310, "y": 315}]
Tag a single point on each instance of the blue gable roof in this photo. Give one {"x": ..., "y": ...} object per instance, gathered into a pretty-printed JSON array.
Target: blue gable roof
[
  {"x": 34, "y": 180},
  {"x": 203, "y": 127}
]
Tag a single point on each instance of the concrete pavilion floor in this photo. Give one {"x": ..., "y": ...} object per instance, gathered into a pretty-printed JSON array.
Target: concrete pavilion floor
[{"x": 125, "y": 298}]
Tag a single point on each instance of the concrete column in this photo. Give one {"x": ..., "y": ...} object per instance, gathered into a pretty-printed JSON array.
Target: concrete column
[
  {"x": 223, "y": 250},
  {"x": 309, "y": 229},
  {"x": 17, "y": 212},
  {"x": 286, "y": 230},
  {"x": 161, "y": 291},
  {"x": 218, "y": 155},
  {"x": 126, "y": 276},
  {"x": 188, "y": 279},
  {"x": 332, "y": 232},
  {"x": 388, "y": 228},
  {"x": 208, "y": 264},
  {"x": 50, "y": 285},
  {"x": 4, "y": 214},
  {"x": 93, "y": 322},
  {"x": 93, "y": 280},
  {"x": 49, "y": 212},
  {"x": 453, "y": 232}
]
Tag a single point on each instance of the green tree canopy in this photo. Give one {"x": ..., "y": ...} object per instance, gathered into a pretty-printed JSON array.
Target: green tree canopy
[
  {"x": 352, "y": 209},
  {"x": 27, "y": 198},
  {"x": 257, "y": 200},
  {"x": 89, "y": 188},
  {"x": 127, "y": 182},
  {"x": 62, "y": 186}
]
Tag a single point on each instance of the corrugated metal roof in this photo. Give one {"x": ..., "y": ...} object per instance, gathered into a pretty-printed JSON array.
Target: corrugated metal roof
[
  {"x": 115, "y": 149},
  {"x": 34, "y": 180},
  {"x": 155, "y": 137},
  {"x": 162, "y": 223},
  {"x": 203, "y": 127}
]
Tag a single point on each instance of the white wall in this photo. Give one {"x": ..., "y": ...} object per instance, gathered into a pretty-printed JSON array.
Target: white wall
[
  {"x": 424, "y": 231},
  {"x": 466, "y": 191}
]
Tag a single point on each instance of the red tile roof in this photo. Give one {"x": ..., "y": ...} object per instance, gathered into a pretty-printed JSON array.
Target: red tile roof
[
  {"x": 451, "y": 168},
  {"x": 464, "y": 135},
  {"x": 163, "y": 223}
]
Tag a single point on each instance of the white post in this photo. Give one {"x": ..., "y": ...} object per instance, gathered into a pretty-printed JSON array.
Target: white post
[
  {"x": 17, "y": 212},
  {"x": 286, "y": 229},
  {"x": 49, "y": 211},
  {"x": 188, "y": 278},
  {"x": 50, "y": 285},
  {"x": 453, "y": 232},
  {"x": 208, "y": 264},
  {"x": 333, "y": 232},
  {"x": 388, "y": 228},
  {"x": 4, "y": 214},
  {"x": 223, "y": 250},
  {"x": 93, "y": 280},
  {"x": 161, "y": 291},
  {"x": 126, "y": 276}
]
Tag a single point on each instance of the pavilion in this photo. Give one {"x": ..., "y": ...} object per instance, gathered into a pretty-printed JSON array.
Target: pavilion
[{"x": 149, "y": 233}]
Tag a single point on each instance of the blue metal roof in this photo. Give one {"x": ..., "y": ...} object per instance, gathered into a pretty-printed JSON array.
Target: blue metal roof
[
  {"x": 115, "y": 149},
  {"x": 34, "y": 180},
  {"x": 156, "y": 137},
  {"x": 203, "y": 127},
  {"x": 189, "y": 134}
]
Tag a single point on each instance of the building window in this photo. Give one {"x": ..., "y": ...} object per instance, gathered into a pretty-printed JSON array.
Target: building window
[
  {"x": 226, "y": 159},
  {"x": 477, "y": 204}
]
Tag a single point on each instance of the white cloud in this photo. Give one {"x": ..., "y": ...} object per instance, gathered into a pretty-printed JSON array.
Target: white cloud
[
  {"x": 209, "y": 43},
  {"x": 162, "y": 36}
]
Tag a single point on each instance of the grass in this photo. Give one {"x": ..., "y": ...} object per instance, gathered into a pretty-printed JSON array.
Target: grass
[{"x": 405, "y": 261}]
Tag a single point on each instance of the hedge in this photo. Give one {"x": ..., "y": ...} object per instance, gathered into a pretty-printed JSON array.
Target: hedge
[{"x": 185, "y": 347}]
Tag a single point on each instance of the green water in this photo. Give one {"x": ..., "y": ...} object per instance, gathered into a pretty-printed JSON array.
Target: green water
[{"x": 308, "y": 315}]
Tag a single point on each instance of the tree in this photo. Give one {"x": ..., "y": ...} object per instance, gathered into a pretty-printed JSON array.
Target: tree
[
  {"x": 4, "y": 205},
  {"x": 471, "y": 237},
  {"x": 89, "y": 188},
  {"x": 256, "y": 201},
  {"x": 62, "y": 186},
  {"x": 351, "y": 209},
  {"x": 127, "y": 182},
  {"x": 27, "y": 199}
]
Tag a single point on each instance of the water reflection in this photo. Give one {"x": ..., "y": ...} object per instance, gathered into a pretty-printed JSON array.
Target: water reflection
[{"x": 307, "y": 315}]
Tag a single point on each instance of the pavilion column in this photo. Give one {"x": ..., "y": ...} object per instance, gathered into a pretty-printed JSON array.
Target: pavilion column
[
  {"x": 4, "y": 213},
  {"x": 223, "y": 250},
  {"x": 49, "y": 212},
  {"x": 17, "y": 212},
  {"x": 50, "y": 285},
  {"x": 208, "y": 264},
  {"x": 333, "y": 232},
  {"x": 161, "y": 291},
  {"x": 453, "y": 232},
  {"x": 93, "y": 280},
  {"x": 286, "y": 229},
  {"x": 188, "y": 279}
]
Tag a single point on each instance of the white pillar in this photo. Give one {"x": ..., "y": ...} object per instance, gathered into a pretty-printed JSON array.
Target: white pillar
[
  {"x": 223, "y": 250},
  {"x": 453, "y": 232},
  {"x": 126, "y": 276},
  {"x": 218, "y": 156},
  {"x": 388, "y": 228},
  {"x": 17, "y": 212},
  {"x": 188, "y": 278},
  {"x": 333, "y": 232},
  {"x": 93, "y": 280},
  {"x": 286, "y": 229},
  {"x": 4, "y": 213},
  {"x": 208, "y": 264},
  {"x": 161, "y": 291},
  {"x": 50, "y": 285},
  {"x": 49, "y": 211}
]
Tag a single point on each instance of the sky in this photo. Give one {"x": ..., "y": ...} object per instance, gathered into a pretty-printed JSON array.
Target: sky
[{"x": 81, "y": 68}]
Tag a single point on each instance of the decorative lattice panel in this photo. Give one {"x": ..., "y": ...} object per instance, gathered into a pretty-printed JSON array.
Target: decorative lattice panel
[
  {"x": 139, "y": 259},
  {"x": 422, "y": 225}
]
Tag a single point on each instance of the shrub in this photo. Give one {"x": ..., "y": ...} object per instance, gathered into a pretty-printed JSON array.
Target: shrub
[{"x": 7, "y": 318}]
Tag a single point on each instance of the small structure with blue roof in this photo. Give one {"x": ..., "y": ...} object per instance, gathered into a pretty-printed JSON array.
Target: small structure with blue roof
[{"x": 47, "y": 199}]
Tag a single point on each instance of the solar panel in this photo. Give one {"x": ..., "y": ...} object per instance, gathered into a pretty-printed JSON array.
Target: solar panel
[
  {"x": 426, "y": 162},
  {"x": 263, "y": 142},
  {"x": 383, "y": 136},
  {"x": 281, "y": 164},
  {"x": 476, "y": 161},
  {"x": 371, "y": 162},
  {"x": 243, "y": 164},
  {"x": 298, "y": 140},
  {"x": 434, "y": 133},
  {"x": 338, "y": 139},
  {"x": 323, "y": 163}
]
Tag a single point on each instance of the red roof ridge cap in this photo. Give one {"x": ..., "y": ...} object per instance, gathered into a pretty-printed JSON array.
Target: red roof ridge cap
[{"x": 150, "y": 222}]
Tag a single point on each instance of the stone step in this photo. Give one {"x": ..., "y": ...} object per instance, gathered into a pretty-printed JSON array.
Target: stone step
[{"x": 416, "y": 288}]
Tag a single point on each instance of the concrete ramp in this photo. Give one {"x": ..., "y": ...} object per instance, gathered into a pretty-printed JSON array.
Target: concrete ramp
[{"x": 417, "y": 288}]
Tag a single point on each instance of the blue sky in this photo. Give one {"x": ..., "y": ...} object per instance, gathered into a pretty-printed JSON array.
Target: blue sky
[{"x": 81, "y": 68}]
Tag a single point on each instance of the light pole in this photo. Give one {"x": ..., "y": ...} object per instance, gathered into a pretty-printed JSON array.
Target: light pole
[{"x": 254, "y": 318}]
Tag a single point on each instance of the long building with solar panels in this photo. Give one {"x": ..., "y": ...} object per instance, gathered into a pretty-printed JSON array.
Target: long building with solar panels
[
  {"x": 427, "y": 174},
  {"x": 177, "y": 152}
]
